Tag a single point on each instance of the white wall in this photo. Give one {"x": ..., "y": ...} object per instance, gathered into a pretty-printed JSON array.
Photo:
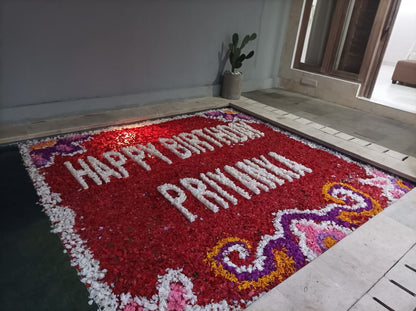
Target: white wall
[
  {"x": 58, "y": 56},
  {"x": 403, "y": 35}
]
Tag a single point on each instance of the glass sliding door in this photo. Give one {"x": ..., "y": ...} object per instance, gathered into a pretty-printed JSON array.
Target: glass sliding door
[{"x": 337, "y": 37}]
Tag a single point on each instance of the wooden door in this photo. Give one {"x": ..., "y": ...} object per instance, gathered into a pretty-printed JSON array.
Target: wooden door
[{"x": 357, "y": 38}]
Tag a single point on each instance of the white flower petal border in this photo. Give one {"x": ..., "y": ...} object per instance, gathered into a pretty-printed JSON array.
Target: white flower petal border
[{"x": 89, "y": 270}]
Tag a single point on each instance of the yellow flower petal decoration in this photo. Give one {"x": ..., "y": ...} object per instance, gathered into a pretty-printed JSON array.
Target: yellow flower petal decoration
[
  {"x": 351, "y": 216},
  {"x": 285, "y": 266},
  {"x": 44, "y": 144},
  {"x": 402, "y": 185}
]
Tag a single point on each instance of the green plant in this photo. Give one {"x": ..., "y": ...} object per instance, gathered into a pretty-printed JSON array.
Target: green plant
[{"x": 235, "y": 56}]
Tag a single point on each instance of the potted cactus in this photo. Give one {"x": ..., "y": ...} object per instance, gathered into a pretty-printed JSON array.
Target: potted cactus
[{"x": 231, "y": 87}]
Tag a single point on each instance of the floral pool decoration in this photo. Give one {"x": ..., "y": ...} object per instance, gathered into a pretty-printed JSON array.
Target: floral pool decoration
[
  {"x": 198, "y": 212},
  {"x": 42, "y": 153}
]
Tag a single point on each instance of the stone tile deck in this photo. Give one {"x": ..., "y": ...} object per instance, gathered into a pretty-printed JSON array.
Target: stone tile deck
[{"x": 372, "y": 269}]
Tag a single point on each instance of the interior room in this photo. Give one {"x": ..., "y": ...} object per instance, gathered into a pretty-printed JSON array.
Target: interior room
[{"x": 402, "y": 45}]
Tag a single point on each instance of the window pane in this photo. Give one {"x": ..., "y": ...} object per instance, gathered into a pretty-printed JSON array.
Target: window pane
[
  {"x": 356, "y": 32},
  {"x": 317, "y": 32}
]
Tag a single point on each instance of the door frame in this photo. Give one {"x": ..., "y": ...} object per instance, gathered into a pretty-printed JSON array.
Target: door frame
[
  {"x": 374, "y": 53},
  {"x": 379, "y": 37}
]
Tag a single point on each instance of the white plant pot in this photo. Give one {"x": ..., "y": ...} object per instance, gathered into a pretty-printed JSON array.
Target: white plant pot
[{"x": 231, "y": 85}]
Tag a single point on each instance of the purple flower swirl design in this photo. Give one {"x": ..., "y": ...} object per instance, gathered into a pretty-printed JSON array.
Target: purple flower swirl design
[
  {"x": 227, "y": 115},
  {"x": 322, "y": 225},
  {"x": 42, "y": 154}
]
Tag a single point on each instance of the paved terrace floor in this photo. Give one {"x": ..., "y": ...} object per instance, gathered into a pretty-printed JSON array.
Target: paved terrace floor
[
  {"x": 374, "y": 268},
  {"x": 393, "y": 134}
]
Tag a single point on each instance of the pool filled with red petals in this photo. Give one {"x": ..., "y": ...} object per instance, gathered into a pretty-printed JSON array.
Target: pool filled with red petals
[{"x": 209, "y": 210}]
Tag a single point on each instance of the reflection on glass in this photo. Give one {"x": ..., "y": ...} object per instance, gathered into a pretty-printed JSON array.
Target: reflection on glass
[
  {"x": 317, "y": 32},
  {"x": 344, "y": 32},
  {"x": 355, "y": 35},
  {"x": 308, "y": 32}
]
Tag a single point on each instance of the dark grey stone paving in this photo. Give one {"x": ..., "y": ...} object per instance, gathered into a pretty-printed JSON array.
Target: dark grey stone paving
[{"x": 392, "y": 134}]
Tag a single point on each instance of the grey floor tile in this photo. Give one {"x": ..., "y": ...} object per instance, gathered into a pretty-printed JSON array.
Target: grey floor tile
[
  {"x": 315, "y": 288},
  {"x": 403, "y": 277},
  {"x": 303, "y": 121},
  {"x": 396, "y": 155},
  {"x": 393, "y": 296},
  {"x": 344, "y": 136},
  {"x": 379, "y": 130},
  {"x": 291, "y": 116},
  {"x": 329, "y": 130},
  {"x": 381, "y": 237},
  {"x": 280, "y": 112},
  {"x": 378, "y": 148},
  {"x": 367, "y": 303},
  {"x": 360, "y": 142},
  {"x": 317, "y": 125},
  {"x": 404, "y": 211}
]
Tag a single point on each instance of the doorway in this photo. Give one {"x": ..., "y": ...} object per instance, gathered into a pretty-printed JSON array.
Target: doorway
[
  {"x": 401, "y": 46},
  {"x": 346, "y": 39}
]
